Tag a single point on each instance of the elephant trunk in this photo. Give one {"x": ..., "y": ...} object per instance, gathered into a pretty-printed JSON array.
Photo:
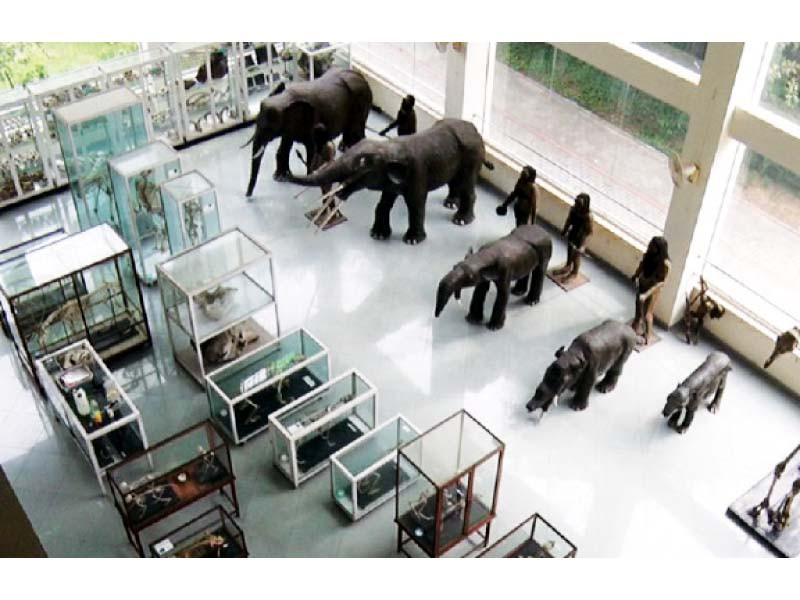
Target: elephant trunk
[
  {"x": 450, "y": 285},
  {"x": 324, "y": 176},
  {"x": 260, "y": 142}
]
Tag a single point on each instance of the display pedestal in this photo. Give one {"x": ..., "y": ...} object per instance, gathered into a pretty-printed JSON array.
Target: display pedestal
[
  {"x": 642, "y": 347},
  {"x": 571, "y": 283}
]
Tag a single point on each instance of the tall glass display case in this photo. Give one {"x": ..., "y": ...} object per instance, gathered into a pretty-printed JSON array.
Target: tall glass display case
[
  {"x": 191, "y": 210},
  {"x": 171, "y": 475},
  {"x": 23, "y": 172},
  {"x": 305, "y": 433},
  {"x": 312, "y": 59},
  {"x": 135, "y": 180},
  {"x": 264, "y": 66},
  {"x": 364, "y": 473},
  {"x": 218, "y": 299},
  {"x": 91, "y": 404},
  {"x": 92, "y": 131},
  {"x": 535, "y": 537},
  {"x": 83, "y": 286},
  {"x": 213, "y": 534},
  {"x": 455, "y": 467},
  {"x": 243, "y": 394}
]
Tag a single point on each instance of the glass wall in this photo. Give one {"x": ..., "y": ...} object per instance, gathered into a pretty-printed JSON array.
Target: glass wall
[
  {"x": 687, "y": 54},
  {"x": 781, "y": 92},
  {"x": 587, "y": 131}
]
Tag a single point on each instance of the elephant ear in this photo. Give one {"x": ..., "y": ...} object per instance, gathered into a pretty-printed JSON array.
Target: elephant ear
[
  {"x": 397, "y": 173},
  {"x": 301, "y": 113},
  {"x": 559, "y": 352},
  {"x": 279, "y": 89}
]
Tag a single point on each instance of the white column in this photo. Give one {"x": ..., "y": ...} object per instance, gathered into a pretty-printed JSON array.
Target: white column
[{"x": 470, "y": 73}]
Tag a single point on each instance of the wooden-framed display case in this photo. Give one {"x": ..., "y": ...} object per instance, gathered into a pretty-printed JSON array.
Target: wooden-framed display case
[
  {"x": 191, "y": 210},
  {"x": 312, "y": 59},
  {"x": 92, "y": 131},
  {"x": 83, "y": 286},
  {"x": 455, "y": 468},
  {"x": 305, "y": 433},
  {"x": 23, "y": 149},
  {"x": 212, "y": 534},
  {"x": 218, "y": 299},
  {"x": 535, "y": 537},
  {"x": 171, "y": 475},
  {"x": 92, "y": 405},
  {"x": 136, "y": 177},
  {"x": 363, "y": 473},
  {"x": 243, "y": 394}
]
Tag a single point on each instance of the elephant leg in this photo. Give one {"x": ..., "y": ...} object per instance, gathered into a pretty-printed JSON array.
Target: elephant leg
[
  {"x": 610, "y": 380},
  {"x": 310, "y": 155},
  {"x": 674, "y": 420},
  {"x": 714, "y": 406},
  {"x": 255, "y": 164},
  {"x": 499, "y": 311},
  {"x": 521, "y": 286},
  {"x": 475, "y": 314},
  {"x": 381, "y": 228},
  {"x": 452, "y": 196},
  {"x": 416, "y": 218},
  {"x": 582, "y": 390},
  {"x": 466, "y": 209},
  {"x": 282, "y": 160},
  {"x": 687, "y": 419},
  {"x": 537, "y": 283}
]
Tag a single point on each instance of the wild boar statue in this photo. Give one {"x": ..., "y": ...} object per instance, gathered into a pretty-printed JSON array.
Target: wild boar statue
[{"x": 709, "y": 378}]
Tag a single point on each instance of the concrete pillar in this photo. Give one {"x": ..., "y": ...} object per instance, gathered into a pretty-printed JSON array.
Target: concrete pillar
[{"x": 470, "y": 74}]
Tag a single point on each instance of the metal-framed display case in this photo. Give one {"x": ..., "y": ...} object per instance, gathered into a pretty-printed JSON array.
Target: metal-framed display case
[
  {"x": 92, "y": 406},
  {"x": 264, "y": 65},
  {"x": 191, "y": 210},
  {"x": 135, "y": 180},
  {"x": 83, "y": 286},
  {"x": 92, "y": 131},
  {"x": 23, "y": 151},
  {"x": 217, "y": 299},
  {"x": 207, "y": 104},
  {"x": 312, "y": 59},
  {"x": 363, "y": 474},
  {"x": 243, "y": 394},
  {"x": 54, "y": 92},
  {"x": 149, "y": 74},
  {"x": 535, "y": 537},
  {"x": 305, "y": 433},
  {"x": 213, "y": 534},
  {"x": 171, "y": 475},
  {"x": 455, "y": 467}
]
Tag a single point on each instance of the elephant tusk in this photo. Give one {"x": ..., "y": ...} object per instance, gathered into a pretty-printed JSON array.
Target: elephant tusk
[{"x": 260, "y": 152}]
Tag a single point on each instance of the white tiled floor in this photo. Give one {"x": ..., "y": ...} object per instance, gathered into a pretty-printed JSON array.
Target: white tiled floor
[{"x": 614, "y": 478}]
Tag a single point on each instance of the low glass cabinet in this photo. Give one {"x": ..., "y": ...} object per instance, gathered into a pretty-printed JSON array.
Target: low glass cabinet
[
  {"x": 305, "y": 433},
  {"x": 213, "y": 534},
  {"x": 243, "y": 394},
  {"x": 93, "y": 407},
  {"x": 535, "y": 537},
  {"x": 364, "y": 474},
  {"x": 191, "y": 210}
]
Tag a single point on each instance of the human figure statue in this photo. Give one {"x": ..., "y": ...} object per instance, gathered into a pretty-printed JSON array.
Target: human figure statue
[
  {"x": 649, "y": 278},
  {"x": 698, "y": 307},
  {"x": 524, "y": 198},
  {"x": 577, "y": 229},
  {"x": 406, "y": 120}
]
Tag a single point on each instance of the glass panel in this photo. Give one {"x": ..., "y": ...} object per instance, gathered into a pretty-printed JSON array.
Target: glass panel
[
  {"x": 307, "y": 61},
  {"x": 587, "y": 131},
  {"x": 416, "y": 505},
  {"x": 377, "y": 445},
  {"x": 190, "y": 205},
  {"x": 686, "y": 54},
  {"x": 453, "y": 502},
  {"x": 480, "y": 504},
  {"x": 549, "y": 543},
  {"x": 342, "y": 489},
  {"x": 781, "y": 91}
]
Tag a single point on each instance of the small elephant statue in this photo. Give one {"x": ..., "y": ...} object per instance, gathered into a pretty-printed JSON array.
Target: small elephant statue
[
  {"x": 599, "y": 352},
  {"x": 520, "y": 256},
  {"x": 709, "y": 378}
]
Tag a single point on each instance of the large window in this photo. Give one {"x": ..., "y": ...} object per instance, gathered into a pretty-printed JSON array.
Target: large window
[
  {"x": 687, "y": 54},
  {"x": 587, "y": 131},
  {"x": 781, "y": 91}
]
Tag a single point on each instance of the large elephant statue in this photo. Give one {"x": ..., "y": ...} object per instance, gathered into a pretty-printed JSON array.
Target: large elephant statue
[
  {"x": 340, "y": 100},
  {"x": 450, "y": 152},
  {"x": 521, "y": 255}
]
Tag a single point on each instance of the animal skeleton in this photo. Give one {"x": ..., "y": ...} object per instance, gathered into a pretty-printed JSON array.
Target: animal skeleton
[
  {"x": 369, "y": 485},
  {"x": 211, "y": 541},
  {"x": 154, "y": 494},
  {"x": 213, "y": 303},
  {"x": 148, "y": 200},
  {"x": 192, "y": 221},
  {"x": 229, "y": 344},
  {"x": 779, "y": 517}
]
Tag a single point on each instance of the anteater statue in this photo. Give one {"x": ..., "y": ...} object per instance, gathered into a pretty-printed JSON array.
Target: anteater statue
[
  {"x": 601, "y": 350},
  {"x": 521, "y": 255},
  {"x": 709, "y": 378}
]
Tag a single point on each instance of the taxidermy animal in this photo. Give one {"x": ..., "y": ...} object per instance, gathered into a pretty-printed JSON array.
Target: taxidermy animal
[
  {"x": 524, "y": 198},
  {"x": 228, "y": 345},
  {"x": 450, "y": 152},
  {"x": 709, "y": 378},
  {"x": 601, "y": 350},
  {"x": 786, "y": 342},
  {"x": 215, "y": 302},
  {"x": 406, "y": 120},
  {"x": 340, "y": 100},
  {"x": 522, "y": 254},
  {"x": 698, "y": 306}
]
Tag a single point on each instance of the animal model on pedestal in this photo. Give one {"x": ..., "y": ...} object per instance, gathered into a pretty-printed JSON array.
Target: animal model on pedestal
[{"x": 785, "y": 343}]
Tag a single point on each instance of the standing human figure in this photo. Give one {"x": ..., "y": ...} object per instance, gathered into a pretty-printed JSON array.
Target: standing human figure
[
  {"x": 649, "y": 278},
  {"x": 577, "y": 229},
  {"x": 524, "y": 198},
  {"x": 406, "y": 120}
]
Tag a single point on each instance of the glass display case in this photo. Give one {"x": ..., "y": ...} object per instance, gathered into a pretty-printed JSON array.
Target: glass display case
[
  {"x": 191, "y": 210},
  {"x": 364, "y": 474},
  {"x": 135, "y": 180},
  {"x": 535, "y": 537},
  {"x": 243, "y": 394},
  {"x": 83, "y": 286},
  {"x": 455, "y": 469},
  {"x": 22, "y": 149},
  {"x": 213, "y": 534},
  {"x": 171, "y": 475},
  {"x": 312, "y": 59},
  {"x": 264, "y": 65},
  {"x": 218, "y": 298},
  {"x": 92, "y": 405},
  {"x": 305, "y": 433}
]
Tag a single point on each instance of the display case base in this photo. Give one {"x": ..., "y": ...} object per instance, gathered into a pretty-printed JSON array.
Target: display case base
[
  {"x": 316, "y": 451},
  {"x": 569, "y": 284},
  {"x": 643, "y": 347}
]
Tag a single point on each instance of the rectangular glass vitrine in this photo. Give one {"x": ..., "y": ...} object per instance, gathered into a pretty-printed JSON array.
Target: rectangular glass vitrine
[
  {"x": 219, "y": 299},
  {"x": 364, "y": 474},
  {"x": 92, "y": 131},
  {"x": 305, "y": 433},
  {"x": 213, "y": 534},
  {"x": 535, "y": 537},
  {"x": 312, "y": 59},
  {"x": 135, "y": 180},
  {"x": 83, "y": 286},
  {"x": 191, "y": 210},
  {"x": 171, "y": 475},
  {"x": 92, "y": 405},
  {"x": 264, "y": 66},
  {"x": 243, "y": 394},
  {"x": 455, "y": 467}
]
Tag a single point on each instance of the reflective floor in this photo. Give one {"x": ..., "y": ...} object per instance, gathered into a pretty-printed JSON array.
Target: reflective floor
[{"x": 614, "y": 479}]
